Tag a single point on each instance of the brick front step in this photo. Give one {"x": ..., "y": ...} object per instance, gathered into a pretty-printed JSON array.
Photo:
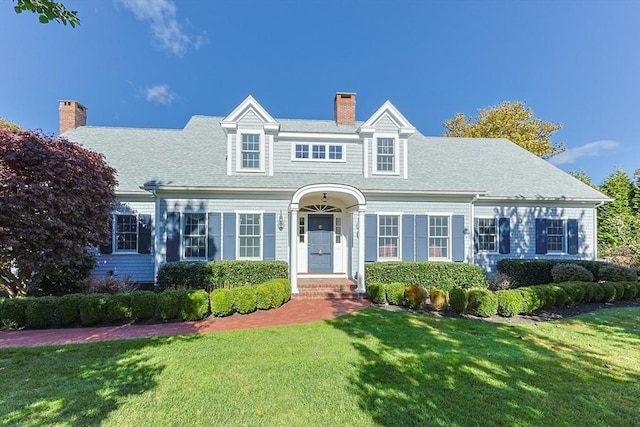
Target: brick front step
[
  {"x": 327, "y": 289},
  {"x": 325, "y": 294}
]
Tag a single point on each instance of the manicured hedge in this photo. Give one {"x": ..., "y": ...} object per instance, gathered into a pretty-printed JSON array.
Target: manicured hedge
[
  {"x": 195, "y": 305},
  {"x": 221, "y": 302},
  {"x": 441, "y": 275},
  {"x": 217, "y": 274},
  {"x": 395, "y": 293},
  {"x": 415, "y": 297},
  {"x": 617, "y": 273},
  {"x": 438, "y": 299},
  {"x": 41, "y": 312},
  {"x": 458, "y": 300},
  {"x": 528, "y": 272},
  {"x": 244, "y": 299},
  {"x": 376, "y": 293},
  {"x": 482, "y": 303}
]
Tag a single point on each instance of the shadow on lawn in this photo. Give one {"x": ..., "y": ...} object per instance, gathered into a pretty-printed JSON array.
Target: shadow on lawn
[
  {"x": 416, "y": 369},
  {"x": 75, "y": 384}
]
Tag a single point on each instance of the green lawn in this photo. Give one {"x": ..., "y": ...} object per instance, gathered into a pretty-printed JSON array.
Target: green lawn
[{"x": 369, "y": 368}]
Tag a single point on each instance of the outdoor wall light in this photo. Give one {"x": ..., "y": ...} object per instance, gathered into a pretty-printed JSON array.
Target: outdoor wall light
[
  {"x": 324, "y": 197},
  {"x": 280, "y": 221}
]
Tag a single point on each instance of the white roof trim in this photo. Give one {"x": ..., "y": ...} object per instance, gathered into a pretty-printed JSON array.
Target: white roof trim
[
  {"x": 249, "y": 104},
  {"x": 388, "y": 109}
]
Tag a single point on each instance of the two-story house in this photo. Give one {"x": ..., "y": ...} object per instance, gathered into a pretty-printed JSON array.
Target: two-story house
[{"x": 329, "y": 196}]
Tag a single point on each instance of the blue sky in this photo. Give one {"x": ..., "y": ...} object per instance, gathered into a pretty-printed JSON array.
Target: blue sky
[{"x": 155, "y": 63}]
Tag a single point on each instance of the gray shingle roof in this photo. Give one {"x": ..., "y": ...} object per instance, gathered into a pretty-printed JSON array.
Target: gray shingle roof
[{"x": 196, "y": 157}]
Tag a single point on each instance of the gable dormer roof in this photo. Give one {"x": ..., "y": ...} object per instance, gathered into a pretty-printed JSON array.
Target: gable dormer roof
[
  {"x": 249, "y": 105},
  {"x": 390, "y": 111}
]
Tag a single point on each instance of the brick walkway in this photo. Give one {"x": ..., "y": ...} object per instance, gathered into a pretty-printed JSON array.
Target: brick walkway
[{"x": 293, "y": 312}]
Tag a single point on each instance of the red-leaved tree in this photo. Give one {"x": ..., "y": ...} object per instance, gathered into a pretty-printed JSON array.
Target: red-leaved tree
[{"x": 56, "y": 199}]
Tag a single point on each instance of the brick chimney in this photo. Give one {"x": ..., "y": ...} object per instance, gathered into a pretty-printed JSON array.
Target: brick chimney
[
  {"x": 344, "y": 108},
  {"x": 72, "y": 115}
]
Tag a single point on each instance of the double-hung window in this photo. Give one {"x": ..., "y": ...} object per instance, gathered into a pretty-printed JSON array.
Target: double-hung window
[
  {"x": 250, "y": 151},
  {"x": 249, "y": 236},
  {"x": 126, "y": 232},
  {"x": 388, "y": 237},
  {"x": 487, "y": 234},
  {"x": 439, "y": 238},
  {"x": 385, "y": 155},
  {"x": 555, "y": 235},
  {"x": 195, "y": 235}
]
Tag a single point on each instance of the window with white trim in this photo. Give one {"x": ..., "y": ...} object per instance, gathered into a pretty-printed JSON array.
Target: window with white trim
[
  {"x": 385, "y": 155},
  {"x": 194, "y": 241},
  {"x": 388, "y": 236},
  {"x": 301, "y": 228},
  {"x": 318, "y": 152},
  {"x": 302, "y": 151},
  {"x": 555, "y": 235},
  {"x": 335, "y": 152},
  {"x": 249, "y": 236},
  {"x": 250, "y": 151},
  {"x": 439, "y": 239},
  {"x": 487, "y": 234},
  {"x": 126, "y": 232},
  {"x": 338, "y": 229}
]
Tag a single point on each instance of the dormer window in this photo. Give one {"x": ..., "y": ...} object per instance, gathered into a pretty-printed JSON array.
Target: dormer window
[
  {"x": 251, "y": 151},
  {"x": 386, "y": 154},
  {"x": 318, "y": 152}
]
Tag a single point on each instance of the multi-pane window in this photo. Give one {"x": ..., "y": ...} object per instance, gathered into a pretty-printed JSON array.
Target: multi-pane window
[
  {"x": 126, "y": 232},
  {"x": 388, "y": 236},
  {"x": 250, "y": 151},
  {"x": 301, "y": 229},
  {"x": 318, "y": 151},
  {"x": 555, "y": 235},
  {"x": 195, "y": 235},
  {"x": 385, "y": 155},
  {"x": 338, "y": 229},
  {"x": 487, "y": 234},
  {"x": 438, "y": 236},
  {"x": 302, "y": 151},
  {"x": 249, "y": 236},
  {"x": 335, "y": 152}
]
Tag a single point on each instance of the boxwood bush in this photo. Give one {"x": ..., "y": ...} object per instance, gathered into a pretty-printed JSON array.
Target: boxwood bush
[
  {"x": 13, "y": 312},
  {"x": 438, "y": 299},
  {"x": 67, "y": 312},
  {"x": 617, "y": 273},
  {"x": 570, "y": 273},
  {"x": 168, "y": 304},
  {"x": 415, "y": 297},
  {"x": 143, "y": 305},
  {"x": 281, "y": 291},
  {"x": 441, "y": 275},
  {"x": 609, "y": 292},
  {"x": 40, "y": 312},
  {"x": 598, "y": 293},
  {"x": 630, "y": 290},
  {"x": 395, "y": 293},
  {"x": 376, "y": 293},
  {"x": 482, "y": 303},
  {"x": 93, "y": 309},
  {"x": 119, "y": 307},
  {"x": 244, "y": 299},
  {"x": 510, "y": 302},
  {"x": 264, "y": 297},
  {"x": 216, "y": 274},
  {"x": 458, "y": 300},
  {"x": 619, "y": 290},
  {"x": 528, "y": 272},
  {"x": 194, "y": 305},
  {"x": 221, "y": 302}
]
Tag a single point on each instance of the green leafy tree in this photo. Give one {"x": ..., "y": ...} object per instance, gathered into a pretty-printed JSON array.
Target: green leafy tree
[
  {"x": 10, "y": 126},
  {"x": 582, "y": 176},
  {"x": 511, "y": 120},
  {"x": 48, "y": 10},
  {"x": 619, "y": 220}
]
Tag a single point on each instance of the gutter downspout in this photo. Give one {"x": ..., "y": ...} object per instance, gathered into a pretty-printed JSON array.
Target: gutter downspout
[
  {"x": 473, "y": 213},
  {"x": 156, "y": 234},
  {"x": 595, "y": 229}
]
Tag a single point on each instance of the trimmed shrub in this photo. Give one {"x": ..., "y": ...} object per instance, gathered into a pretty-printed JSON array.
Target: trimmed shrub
[
  {"x": 561, "y": 298},
  {"x": 531, "y": 299},
  {"x": 67, "y": 312},
  {"x": 630, "y": 290},
  {"x": 13, "y": 313},
  {"x": 221, "y": 302},
  {"x": 119, "y": 307},
  {"x": 441, "y": 275},
  {"x": 143, "y": 305},
  {"x": 598, "y": 293},
  {"x": 501, "y": 281},
  {"x": 195, "y": 305},
  {"x": 244, "y": 299},
  {"x": 458, "y": 300},
  {"x": 619, "y": 290},
  {"x": 168, "y": 304},
  {"x": 527, "y": 272},
  {"x": 570, "y": 273},
  {"x": 609, "y": 292},
  {"x": 40, "y": 312},
  {"x": 617, "y": 273},
  {"x": 589, "y": 292},
  {"x": 510, "y": 302},
  {"x": 395, "y": 293},
  {"x": 264, "y": 297},
  {"x": 574, "y": 292},
  {"x": 93, "y": 309},
  {"x": 182, "y": 275},
  {"x": 415, "y": 297},
  {"x": 438, "y": 299},
  {"x": 280, "y": 291},
  {"x": 482, "y": 303},
  {"x": 376, "y": 293}
]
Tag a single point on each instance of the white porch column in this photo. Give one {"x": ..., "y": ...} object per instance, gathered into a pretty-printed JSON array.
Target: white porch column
[
  {"x": 361, "y": 241},
  {"x": 293, "y": 249}
]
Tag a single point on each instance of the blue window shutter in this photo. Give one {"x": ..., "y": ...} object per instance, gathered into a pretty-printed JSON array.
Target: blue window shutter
[
  {"x": 214, "y": 236},
  {"x": 371, "y": 237},
  {"x": 144, "y": 234},
  {"x": 572, "y": 236},
  {"x": 541, "y": 236},
  {"x": 269, "y": 236},
  {"x": 422, "y": 240},
  {"x": 504, "y": 235},
  {"x": 173, "y": 236},
  {"x": 229, "y": 235},
  {"x": 407, "y": 237},
  {"x": 457, "y": 251},
  {"x": 476, "y": 235}
]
